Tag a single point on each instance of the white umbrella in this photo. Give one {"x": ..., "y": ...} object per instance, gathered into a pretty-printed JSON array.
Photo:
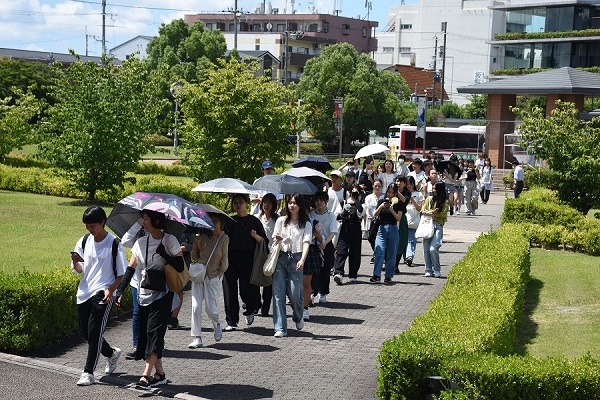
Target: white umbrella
[
  {"x": 316, "y": 177},
  {"x": 225, "y": 185},
  {"x": 371, "y": 149}
]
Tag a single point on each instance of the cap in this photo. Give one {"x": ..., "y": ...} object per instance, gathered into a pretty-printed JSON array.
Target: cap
[
  {"x": 350, "y": 173},
  {"x": 267, "y": 165},
  {"x": 336, "y": 173}
]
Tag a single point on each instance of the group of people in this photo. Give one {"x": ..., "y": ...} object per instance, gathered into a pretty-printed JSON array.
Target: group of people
[{"x": 314, "y": 236}]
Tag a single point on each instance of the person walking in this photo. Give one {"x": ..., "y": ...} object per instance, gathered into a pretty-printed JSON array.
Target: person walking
[
  {"x": 413, "y": 214},
  {"x": 101, "y": 270},
  {"x": 267, "y": 217},
  {"x": 294, "y": 232},
  {"x": 470, "y": 177},
  {"x": 487, "y": 180},
  {"x": 435, "y": 206},
  {"x": 211, "y": 250},
  {"x": 151, "y": 253},
  {"x": 243, "y": 236},
  {"x": 518, "y": 177},
  {"x": 386, "y": 243},
  {"x": 350, "y": 238},
  {"x": 320, "y": 280}
]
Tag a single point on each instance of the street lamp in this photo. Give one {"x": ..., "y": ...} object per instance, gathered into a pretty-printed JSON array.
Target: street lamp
[{"x": 175, "y": 90}]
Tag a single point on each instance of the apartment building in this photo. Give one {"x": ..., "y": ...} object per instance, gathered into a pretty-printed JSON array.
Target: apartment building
[{"x": 292, "y": 38}]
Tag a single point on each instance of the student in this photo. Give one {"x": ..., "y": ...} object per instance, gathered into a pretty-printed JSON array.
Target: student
[
  {"x": 101, "y": 272},
  {"x": 518, "y": 175}
]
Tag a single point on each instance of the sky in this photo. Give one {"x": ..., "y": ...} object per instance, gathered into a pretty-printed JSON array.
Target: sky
[{"x": 59, "y": 25}]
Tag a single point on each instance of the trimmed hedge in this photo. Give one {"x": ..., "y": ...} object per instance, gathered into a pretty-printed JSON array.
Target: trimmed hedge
[
  {"x": 48, "y": 181},
  {"x": 39, "y": 309},
  {"x": 467, "y": 334}
]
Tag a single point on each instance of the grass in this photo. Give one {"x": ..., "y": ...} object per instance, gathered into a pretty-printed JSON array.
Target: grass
[
  {"x": 562, "y": 312},
  {"x": 37, "y": 232}
]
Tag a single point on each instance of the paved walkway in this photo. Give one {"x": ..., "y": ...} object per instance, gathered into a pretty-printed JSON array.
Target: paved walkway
[{"x": 334, "y": 357}]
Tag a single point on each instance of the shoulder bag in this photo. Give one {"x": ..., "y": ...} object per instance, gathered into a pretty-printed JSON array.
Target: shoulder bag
[
  {"x": 176, "y": 281},
  {"x": 271, "y": 263},
  {"x": 198, "y": 270},
  {"x": 261, "y": 254}
]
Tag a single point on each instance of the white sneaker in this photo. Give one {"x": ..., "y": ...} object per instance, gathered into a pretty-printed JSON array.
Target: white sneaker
[
  {"x": 196, "y": 343},
  {"x": 300, "y": 324},
  {"x": 111, "y": 362},
  {"x": 352, "y": 280},
  {"x": 457, "y": 212},
  {"x": 323, "y": 298},
  {"x": 428, "y": 274},
  {"x": 338, "y": 278},
  {"x": 305, "y": 315},
  {"x": 280, "y": 334},
  {"x": 86, "y": 379},
  {"x": 437, "y": 274},
  {"x": 218, "y": 333},
  {"x": 249, "y": 319}
]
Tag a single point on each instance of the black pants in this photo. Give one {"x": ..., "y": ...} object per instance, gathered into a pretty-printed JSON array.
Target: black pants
[
  {"x": 153, "y": 322},
  {"x": 267, "y": 295},
  {"x": 240, "y": 269},
  {"x": 320, "y": 282},
  {"x": 93, "y": 318},
  {"x": 349, "y": 247},
  {"x": 518, "y": 189},
  {"x": 485, "y": 195}
]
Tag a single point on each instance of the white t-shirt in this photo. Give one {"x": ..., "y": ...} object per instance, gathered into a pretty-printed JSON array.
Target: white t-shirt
[
  {"x": 128, "y": 240},
  {"x": 387, "y": 179},
  {"x": 336, "y": 197},
  {"x": 97, "y": 266},
  {"x": 293, "y": 235},
  {"x": 328, "y": 219},
  {"x": 371, "y": 204},
  {"x": 155, "y": 261},
  {"x": 419, "y": 178}
]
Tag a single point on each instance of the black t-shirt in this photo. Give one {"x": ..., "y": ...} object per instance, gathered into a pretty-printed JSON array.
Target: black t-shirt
[
  {"x": 385, "y": 215},
  {"x": 471, "y": 175},
  {"x": 239, "y": 233}
]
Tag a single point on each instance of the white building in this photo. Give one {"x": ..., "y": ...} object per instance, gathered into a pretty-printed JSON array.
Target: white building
[
  {"x": 411, "y": 40},
  {"x": 125, "y": 50}
]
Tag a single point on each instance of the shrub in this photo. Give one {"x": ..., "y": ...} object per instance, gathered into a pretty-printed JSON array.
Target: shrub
[
  {"x": 24, "y": 162},
  {"x": 152, "y": 168},
  {"x": 161, "y": 140}
]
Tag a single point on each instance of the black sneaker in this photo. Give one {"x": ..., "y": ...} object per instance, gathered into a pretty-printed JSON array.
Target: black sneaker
[
  {"x": 397, "y": 270},
  {"x": 387, "y": 280},
  {"x": 131, "y": 354},
  {"x": 375, "y": 279},
  {"x": 158, "y": 380},
  {"x": 372, "y": 260},
  {"x": 173, "y": 323},
  {"x": 409, "y": 262}
]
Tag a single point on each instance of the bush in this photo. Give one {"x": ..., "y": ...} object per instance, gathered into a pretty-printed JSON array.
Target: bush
[
  {"x": 161, "y": 140},
  {"x": 36, "y": 310},
  {"x": 23, "y": 161},
  {"x": 152, "y": 168}
]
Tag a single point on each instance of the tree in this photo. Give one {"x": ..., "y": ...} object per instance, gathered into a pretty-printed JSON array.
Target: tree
[
  {"x": 16, "y": 115},
  {"x": 371, "y": 97},
  {"x": 570, "y": 147},
  {"x": 477, "y": 108},
  {"x": 233, "y": 121},
  {"x": 23, "y": 75},
  {"x": 98, "y": 129},
  {"x": 186, "y": 50}
]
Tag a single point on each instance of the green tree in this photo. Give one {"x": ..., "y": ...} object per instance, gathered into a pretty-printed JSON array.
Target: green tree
[
  {"x": 98, "y": 129},
  {"x": 477, "y": 108},
  {"x": 23, "y": 75},
  {"x": 16, "y": 115},
  {"x": 570, "y": 147},
  {"x": 371, "y": 97},
  {"x": 186, "y": 50},
  {"x": 233, "y": 121}
]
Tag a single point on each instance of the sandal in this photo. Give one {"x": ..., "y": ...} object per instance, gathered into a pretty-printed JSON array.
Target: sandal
[
  {"x": 144, "y": 382},
  {"x": 158, "y": 379}
]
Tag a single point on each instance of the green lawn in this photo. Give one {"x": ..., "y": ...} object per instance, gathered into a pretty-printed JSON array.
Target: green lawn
[
  {"x": 37, "y": 232},
  {"x": 562, "y": 306}
]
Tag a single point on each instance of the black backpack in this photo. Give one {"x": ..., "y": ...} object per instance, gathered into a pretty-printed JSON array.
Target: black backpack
[{"x": 115, "y": 250}]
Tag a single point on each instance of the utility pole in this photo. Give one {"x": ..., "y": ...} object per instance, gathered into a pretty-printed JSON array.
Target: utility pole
[
  {"x": 235, "y": 25},
  {"x": 434, "y": 72},
  {"x": 103, "y": 27},
  {"x": 444, "y": 27}
]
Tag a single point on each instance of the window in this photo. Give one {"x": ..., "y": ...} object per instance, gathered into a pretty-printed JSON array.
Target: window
[
  {"x": 388, "y": 49},
  {"x": 325, "y": 26},
  {"x": 313, "y": 27},
  {"x": 231, "y": 27},
  {"x": 406, "y": 26},
  {"x": 345, "y": 29},
  {"x": 280, "y": 27},
  {"x": 404, "y": 49},
  {"x": 257, "y": 47},
  {"x": 364, "y": 31}
]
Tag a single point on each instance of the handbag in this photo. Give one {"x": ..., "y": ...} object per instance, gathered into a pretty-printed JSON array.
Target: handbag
[
  {"x": 426, "y": 227},
  {"x": 152, "y": 279},
  {"x": 413, "y": 217},
  {"x": 375, "y": 224},
  {"x": 261, "y": 254},
  {"x": 176, "y": 281},
  {"x": 271, "y": 263},
  {"x": 198, "y": 270}
]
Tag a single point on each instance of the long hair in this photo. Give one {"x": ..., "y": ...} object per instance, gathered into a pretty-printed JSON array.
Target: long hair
[
  {"x": 302, "y": 214},
  {"x": 270, "y": 198},
  {"x": 440, "y": 196}
]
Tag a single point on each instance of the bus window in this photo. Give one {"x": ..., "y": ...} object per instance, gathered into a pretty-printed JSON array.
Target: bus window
[{"x": 409, "y": 140}]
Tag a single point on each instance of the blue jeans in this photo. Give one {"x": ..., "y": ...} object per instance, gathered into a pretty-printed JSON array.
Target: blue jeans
[
  {"x": 135, "y": 319},
  {"x": 287, "y": 281},
  {"x": 412, "y": 244},
  {"x": 431, "y": 249},
  {"x": 386, "y": 245}
]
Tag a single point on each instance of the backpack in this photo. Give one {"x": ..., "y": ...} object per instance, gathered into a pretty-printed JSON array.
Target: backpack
[{"x": 115, "y": 250}]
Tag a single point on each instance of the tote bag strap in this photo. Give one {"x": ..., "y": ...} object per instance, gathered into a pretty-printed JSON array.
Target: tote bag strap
[{"x": 213, "y": 250}]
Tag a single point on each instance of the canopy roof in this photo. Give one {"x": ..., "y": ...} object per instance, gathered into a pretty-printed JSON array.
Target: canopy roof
[{"x": 564, "y": 80}]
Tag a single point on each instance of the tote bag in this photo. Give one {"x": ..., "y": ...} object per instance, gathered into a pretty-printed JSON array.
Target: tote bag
[
  {"x": 426, "y": 227},
  {"x": 176, "y": 281},
  {"x": 261, "y": 254},
  {"x": 198, "y": 270},
  {"x": 413, "y": 217},
  {"x": 271, "y": 263}
]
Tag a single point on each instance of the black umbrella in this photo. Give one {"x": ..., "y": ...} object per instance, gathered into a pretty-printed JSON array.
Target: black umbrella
[
  {"x": 447, "y": 165},
  {"x": 285, "y": 184},
  {"x": 318, "y": 163}
]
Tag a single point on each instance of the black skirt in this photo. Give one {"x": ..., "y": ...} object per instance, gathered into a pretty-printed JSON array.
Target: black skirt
[{"x": 314, "y": 260}]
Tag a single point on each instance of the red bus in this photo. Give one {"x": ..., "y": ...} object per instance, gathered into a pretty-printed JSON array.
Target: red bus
[{"x": 464, "y": 141}]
